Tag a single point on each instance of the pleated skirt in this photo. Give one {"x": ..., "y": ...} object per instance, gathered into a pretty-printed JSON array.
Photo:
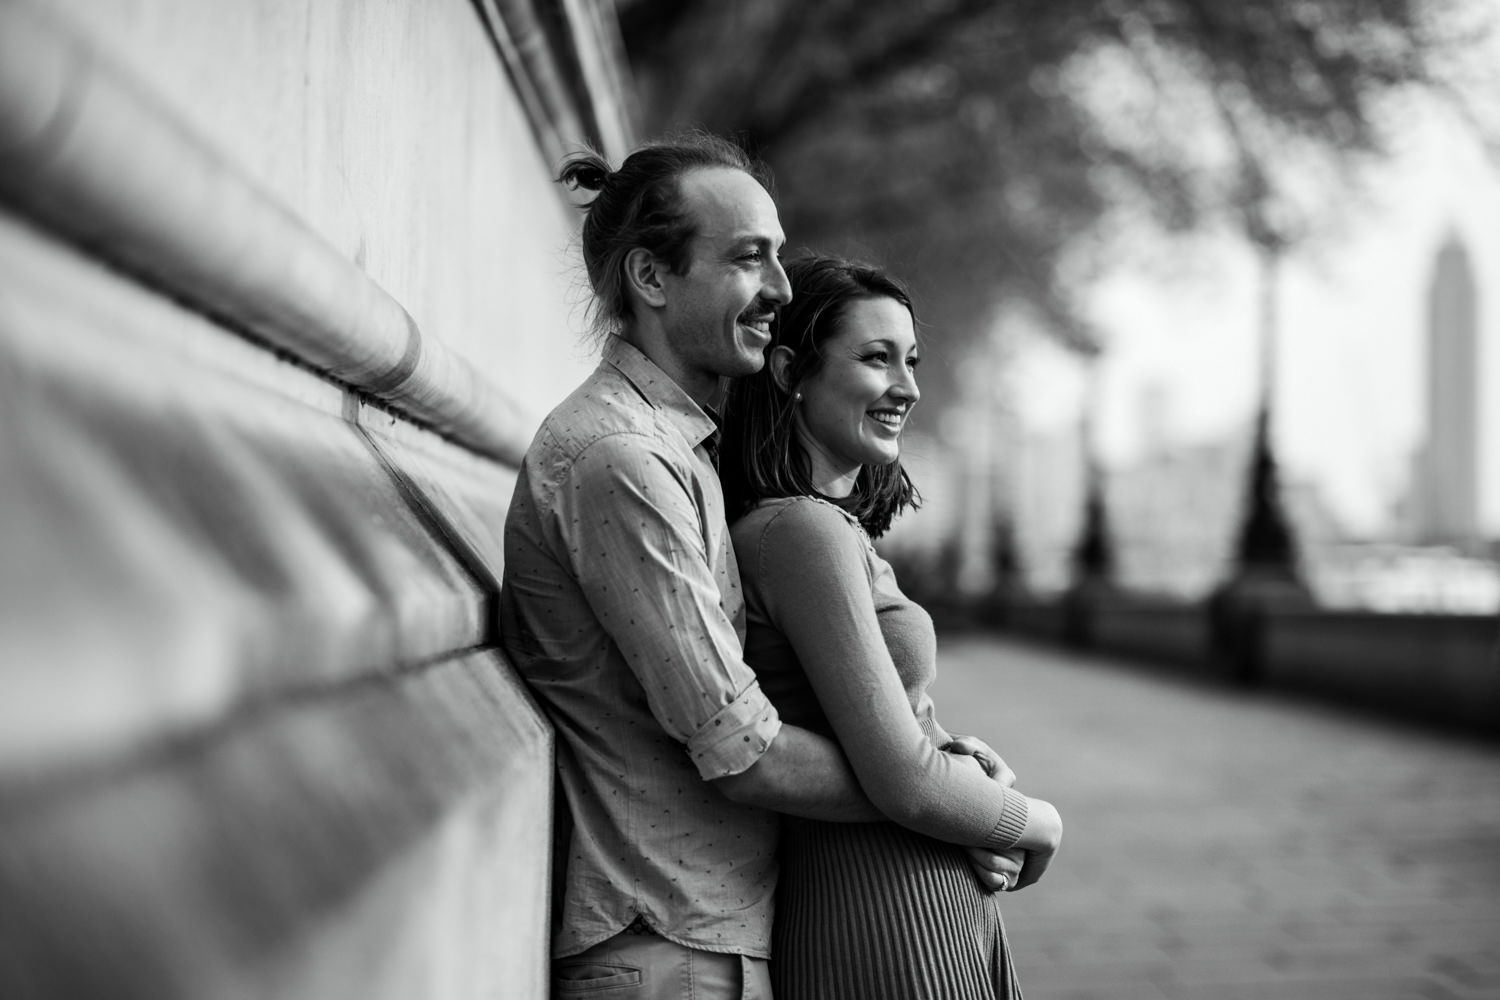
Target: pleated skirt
[{"x": 872, "y": 911}]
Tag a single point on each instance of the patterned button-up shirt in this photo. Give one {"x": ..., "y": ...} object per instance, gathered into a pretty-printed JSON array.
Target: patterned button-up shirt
[{"x": 621, "y": 607}]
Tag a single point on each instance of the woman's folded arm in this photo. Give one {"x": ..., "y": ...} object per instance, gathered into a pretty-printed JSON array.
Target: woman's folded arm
[{"x": 816, "y": 587}]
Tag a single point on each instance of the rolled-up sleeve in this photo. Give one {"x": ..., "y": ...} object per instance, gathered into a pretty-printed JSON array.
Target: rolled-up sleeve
[
  {"x": 736, "y": 737},
  {"x": 644, "y": 565}
]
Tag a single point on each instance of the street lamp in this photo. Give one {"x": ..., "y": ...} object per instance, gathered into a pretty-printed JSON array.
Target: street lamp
[
  {"x": 1265, "y": 571},
  {"x": 1265, "y": 547},
  {"x": 1093, "y": 556}
]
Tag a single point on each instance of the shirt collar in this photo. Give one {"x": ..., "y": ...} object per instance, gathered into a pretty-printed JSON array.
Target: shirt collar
[{"x": 658, "y": 389}]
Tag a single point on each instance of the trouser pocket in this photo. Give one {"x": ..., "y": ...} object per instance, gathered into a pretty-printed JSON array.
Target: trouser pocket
[{"x": 584, "y": 978}]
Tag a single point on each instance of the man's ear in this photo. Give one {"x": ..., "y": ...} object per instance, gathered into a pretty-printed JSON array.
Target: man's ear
[
  {"x": 780, "y": 359},
  {"x": 643, "y": 277}
]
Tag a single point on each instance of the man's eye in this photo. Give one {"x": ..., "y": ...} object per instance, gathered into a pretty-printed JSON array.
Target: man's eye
[{"x": 752, "y": 255}]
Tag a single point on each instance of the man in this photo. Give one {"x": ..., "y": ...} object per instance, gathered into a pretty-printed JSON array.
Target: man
[{"x": 621, "y": 604}]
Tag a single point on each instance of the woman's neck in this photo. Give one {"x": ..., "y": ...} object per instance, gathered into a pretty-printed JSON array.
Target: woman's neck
[
  {"x": 835, "y": 487},
  {"x": 827, "y": 479}
]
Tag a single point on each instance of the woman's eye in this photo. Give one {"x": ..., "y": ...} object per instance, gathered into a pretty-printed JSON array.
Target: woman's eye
[
  {"x": 879, "y": 357},
  {"x": 913, "y": 362}
]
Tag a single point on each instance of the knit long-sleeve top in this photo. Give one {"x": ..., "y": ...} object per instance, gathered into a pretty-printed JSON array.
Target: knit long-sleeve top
[{"x": 840, "y": 650}]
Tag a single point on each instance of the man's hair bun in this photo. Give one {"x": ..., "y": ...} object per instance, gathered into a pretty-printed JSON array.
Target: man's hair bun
[{"x": 588, "y": 171}]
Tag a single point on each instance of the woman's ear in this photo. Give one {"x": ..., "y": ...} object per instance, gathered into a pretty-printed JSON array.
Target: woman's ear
[
  {"x": 780, "y": 359},
  {"x": 643, "y": 277}
]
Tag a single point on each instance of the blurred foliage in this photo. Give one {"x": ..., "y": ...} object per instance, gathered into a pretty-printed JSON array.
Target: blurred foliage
[{"x": 983, "y": 148}]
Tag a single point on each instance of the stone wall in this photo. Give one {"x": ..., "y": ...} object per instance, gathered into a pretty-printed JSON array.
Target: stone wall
[{"x": 284, "y": 288}]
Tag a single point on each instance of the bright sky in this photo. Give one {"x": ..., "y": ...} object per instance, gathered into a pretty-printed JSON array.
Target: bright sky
[{"x": 1350, "y": 387}]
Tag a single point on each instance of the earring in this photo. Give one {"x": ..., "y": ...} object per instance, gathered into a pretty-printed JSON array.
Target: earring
[{"x": 797, "y": 396}]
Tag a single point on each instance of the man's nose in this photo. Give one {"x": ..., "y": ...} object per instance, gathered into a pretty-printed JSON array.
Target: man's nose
[{"x": 778, "y": 287}]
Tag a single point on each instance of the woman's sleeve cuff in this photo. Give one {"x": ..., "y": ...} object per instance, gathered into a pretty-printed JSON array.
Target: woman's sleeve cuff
[
  {"x": 1012, "y": 822},
  {"x": 939, "y": 736},
  {"x": 736, "y": 737}
]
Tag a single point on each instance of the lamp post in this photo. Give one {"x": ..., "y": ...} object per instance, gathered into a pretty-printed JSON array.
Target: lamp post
[
  {"x": 1264, "y": 572},
  {"x": 1265, "y": 547},
  {"x": 1093, "y": 556}
]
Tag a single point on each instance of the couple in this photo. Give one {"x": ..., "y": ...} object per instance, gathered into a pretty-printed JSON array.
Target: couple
[{"x": 728, "y": 702}]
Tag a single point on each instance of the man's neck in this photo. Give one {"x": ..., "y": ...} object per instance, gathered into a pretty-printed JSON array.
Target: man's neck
[{"x": 702, "y": 387}]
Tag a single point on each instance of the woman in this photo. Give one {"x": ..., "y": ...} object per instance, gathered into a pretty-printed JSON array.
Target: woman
[{"x": 812, "y": 472}]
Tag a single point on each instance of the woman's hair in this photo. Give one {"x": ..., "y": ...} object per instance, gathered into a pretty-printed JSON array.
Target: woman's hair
[
  {"x": 761, "y": 457},
  {"x": 640, "y": 205}
]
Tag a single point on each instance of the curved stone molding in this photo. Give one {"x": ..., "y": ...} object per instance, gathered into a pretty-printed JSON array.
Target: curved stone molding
[
  {"x": 87, "y": 153},
  {"x": 384, "y": 841},
  {"x": 192, "y": 525},
  {"x": 573, "y": 85}
]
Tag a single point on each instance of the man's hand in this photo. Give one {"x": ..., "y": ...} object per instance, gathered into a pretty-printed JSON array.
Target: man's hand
[
  {"x": 996, "y": 871},
  {"x": 994, "y": 766}
]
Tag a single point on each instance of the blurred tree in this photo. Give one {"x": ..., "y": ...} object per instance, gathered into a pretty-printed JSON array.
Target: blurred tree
[{"x": 979, "y": 147}]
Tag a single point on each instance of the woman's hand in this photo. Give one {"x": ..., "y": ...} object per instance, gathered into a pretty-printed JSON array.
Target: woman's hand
[
  {"x": 1019, "y": 866},
  {"x": 1026, "y": 862},
  {"x": 1039, "y": 840},
  {"x": 994, "y": 766},
  {"x": 996, "y": 871}
]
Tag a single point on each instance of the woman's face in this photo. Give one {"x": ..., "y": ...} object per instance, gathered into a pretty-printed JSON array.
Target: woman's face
[{"x": 853, "y": 409}]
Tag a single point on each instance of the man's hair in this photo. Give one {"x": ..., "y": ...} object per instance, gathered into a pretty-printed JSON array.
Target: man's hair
[
  {"x": 640, "y": 205},
  {"x": 761, "y": 457}
]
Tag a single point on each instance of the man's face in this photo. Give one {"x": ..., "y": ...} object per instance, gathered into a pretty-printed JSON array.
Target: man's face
[{"x": 719, "y": 308}]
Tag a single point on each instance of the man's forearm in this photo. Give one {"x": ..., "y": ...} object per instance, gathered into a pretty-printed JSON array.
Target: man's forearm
[{"x": 803, "y": 774}]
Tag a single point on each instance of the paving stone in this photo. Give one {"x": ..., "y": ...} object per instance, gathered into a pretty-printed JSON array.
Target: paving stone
[{"x": 1224, "y": 845}]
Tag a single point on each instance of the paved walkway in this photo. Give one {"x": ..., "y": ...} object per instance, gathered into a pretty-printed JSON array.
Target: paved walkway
[{"x": 1224, "y": 846}]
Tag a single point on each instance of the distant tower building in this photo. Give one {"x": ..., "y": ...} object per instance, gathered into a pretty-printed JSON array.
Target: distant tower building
[{"x": 1445, "y": 493}]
